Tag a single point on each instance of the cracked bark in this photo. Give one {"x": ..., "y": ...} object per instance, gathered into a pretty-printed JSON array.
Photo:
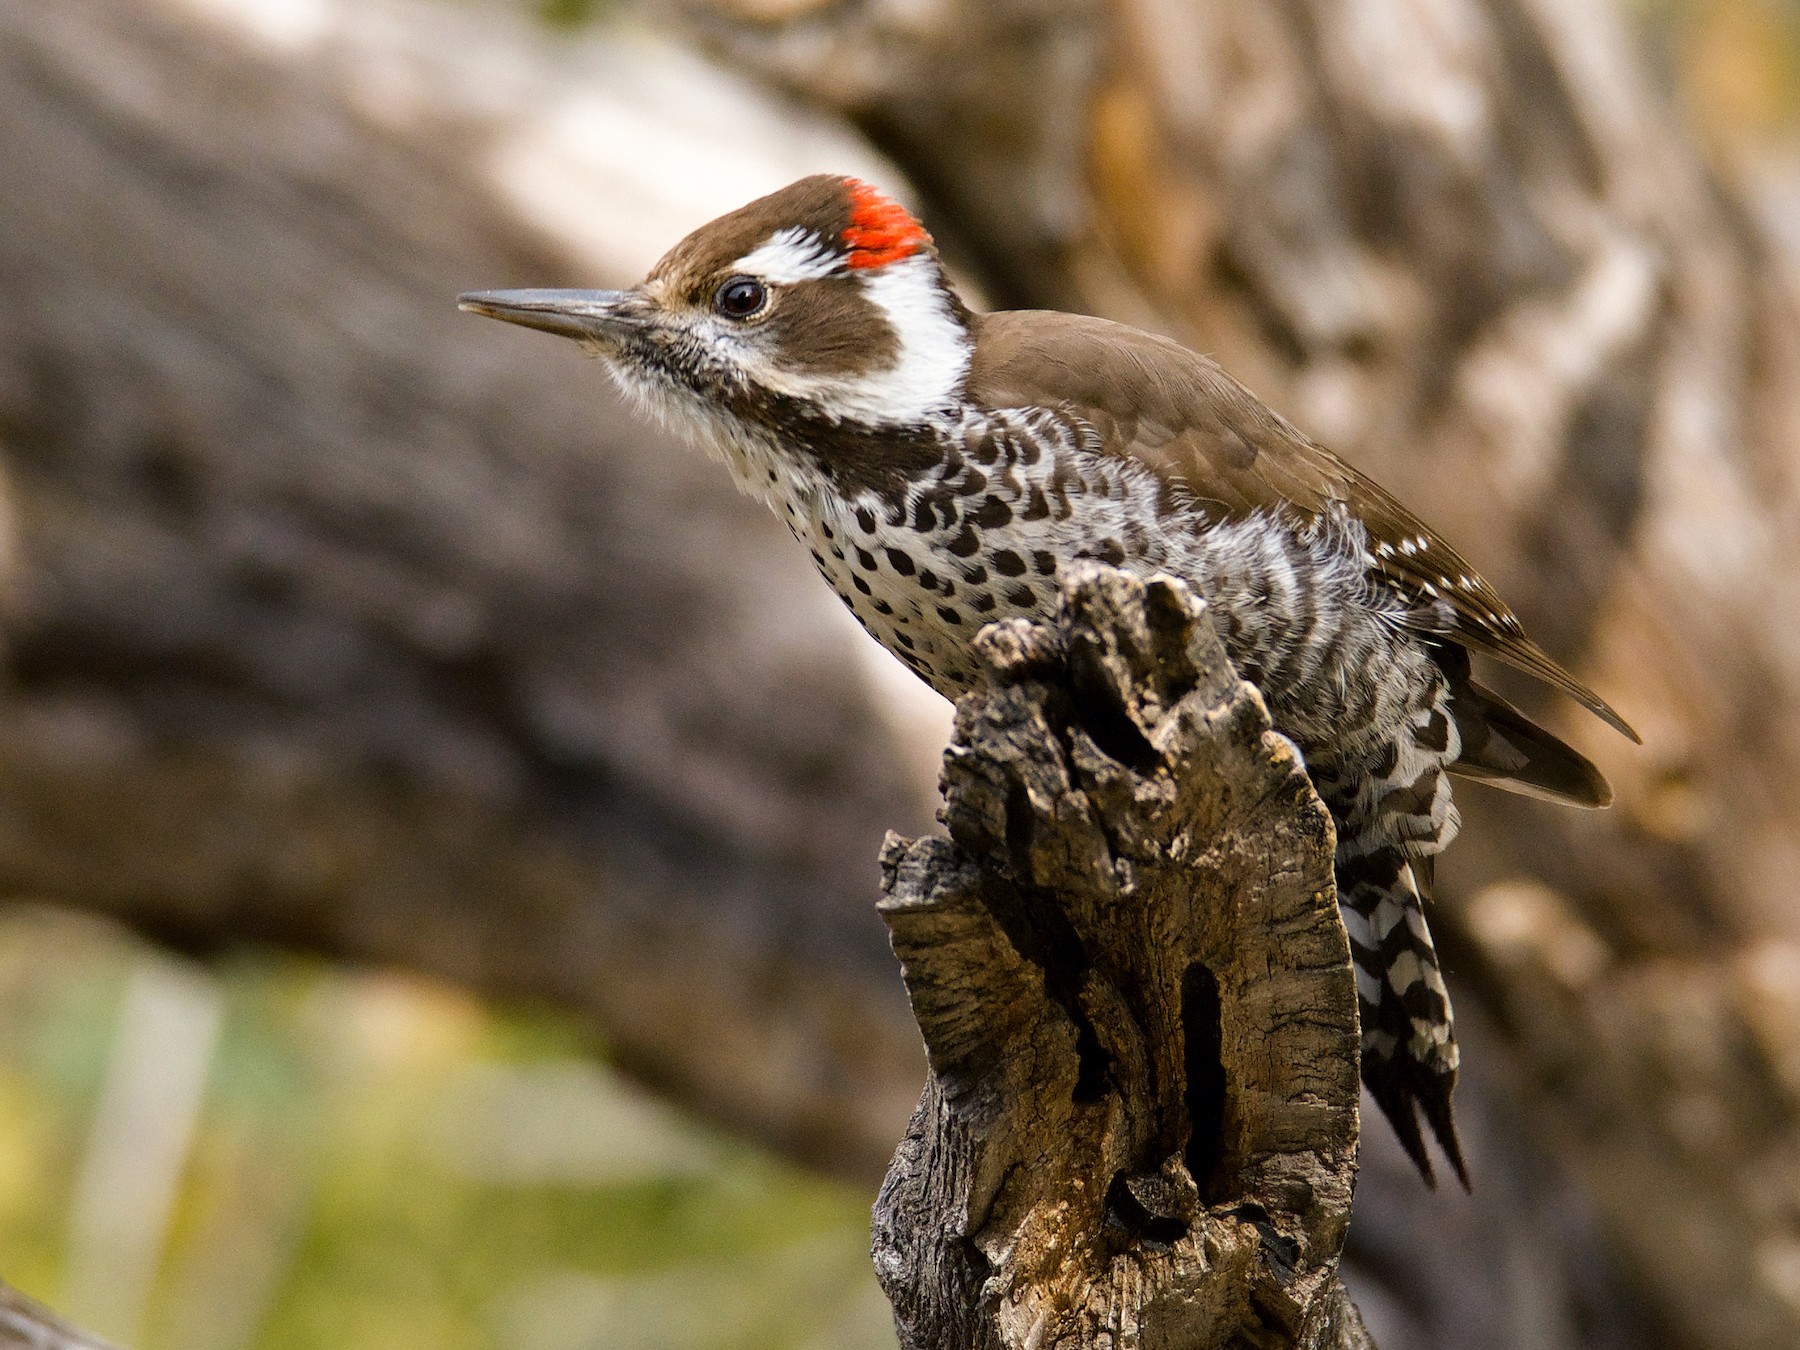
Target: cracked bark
[{"x": 1136, "y": 997}]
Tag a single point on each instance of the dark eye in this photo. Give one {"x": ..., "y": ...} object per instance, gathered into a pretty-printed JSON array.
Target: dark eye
[{"x": 741, "y": 297}]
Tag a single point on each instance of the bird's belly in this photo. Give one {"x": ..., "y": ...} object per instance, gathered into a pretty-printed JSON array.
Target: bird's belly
[
  {"x": 925, "y": 603},
  {"x": 924, "y": 575},
  {"x": 925, "y": 566}
]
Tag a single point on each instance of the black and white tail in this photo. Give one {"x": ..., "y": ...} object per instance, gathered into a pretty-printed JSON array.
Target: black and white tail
[
  {"x": 1392, "y": 818},
  {"x": 1409, "y": 1054}
]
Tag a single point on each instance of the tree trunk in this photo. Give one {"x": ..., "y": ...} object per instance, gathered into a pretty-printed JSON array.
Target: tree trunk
[{"x": 1136, "y": 995}]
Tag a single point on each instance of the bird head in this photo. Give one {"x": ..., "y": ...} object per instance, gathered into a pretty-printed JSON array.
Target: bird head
[{"x": 823, "y": 301}]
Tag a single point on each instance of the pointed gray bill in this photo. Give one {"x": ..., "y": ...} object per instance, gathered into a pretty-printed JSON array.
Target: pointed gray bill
[{"x": 573, "y": 314}]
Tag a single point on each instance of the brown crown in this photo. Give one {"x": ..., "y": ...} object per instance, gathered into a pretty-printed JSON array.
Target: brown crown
[{"x": 869, "y": 228}]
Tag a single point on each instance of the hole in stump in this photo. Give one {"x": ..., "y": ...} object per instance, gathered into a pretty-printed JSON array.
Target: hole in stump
[
  {"x": 1205, "y": 1095},
  {"x": 1103, "y": 715}
]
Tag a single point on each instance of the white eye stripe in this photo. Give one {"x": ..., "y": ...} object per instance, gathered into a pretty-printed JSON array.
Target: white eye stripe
[
  {"x": 931, "y": 362},
  {"x": 788, "y": 256}
]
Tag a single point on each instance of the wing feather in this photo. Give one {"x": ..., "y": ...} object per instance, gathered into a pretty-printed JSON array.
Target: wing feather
[{"x": 1181, "y": 414}]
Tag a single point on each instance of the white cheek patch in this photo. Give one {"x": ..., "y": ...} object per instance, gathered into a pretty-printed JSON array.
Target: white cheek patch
[
  {"x": 788, "y": 256},
  {"x": 930, "y": 364}
]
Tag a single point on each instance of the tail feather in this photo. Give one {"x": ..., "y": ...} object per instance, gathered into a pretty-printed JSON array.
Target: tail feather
[
  {"x": 1394, "y": 814},
  {"x": 1389, "y": 1085},
  {"x": 1440, "y": 1114},
  {"x": 1409, "y": 1053},
  {"x": 1502, "y": 746},
  {"x": 1403, "y": 1090}
]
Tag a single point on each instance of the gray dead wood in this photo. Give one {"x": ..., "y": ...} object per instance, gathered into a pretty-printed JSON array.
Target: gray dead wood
[{"x": 1140, "y": 1127}]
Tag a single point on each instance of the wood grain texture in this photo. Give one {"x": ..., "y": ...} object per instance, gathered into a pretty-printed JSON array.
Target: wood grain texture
[{"x": 1136, "y": 998}]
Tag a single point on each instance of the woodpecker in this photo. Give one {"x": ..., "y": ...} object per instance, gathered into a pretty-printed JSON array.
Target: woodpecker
[{"x": 943, "y": 465}]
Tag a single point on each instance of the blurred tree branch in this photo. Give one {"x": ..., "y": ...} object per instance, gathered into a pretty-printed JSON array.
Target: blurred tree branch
[
  {"x": 28, "y": 1325},
  {"x": 1136, "y": 997}
]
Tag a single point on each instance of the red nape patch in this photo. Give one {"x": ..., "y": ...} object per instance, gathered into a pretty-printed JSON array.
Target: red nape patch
[{"x": 881, "y": 230}]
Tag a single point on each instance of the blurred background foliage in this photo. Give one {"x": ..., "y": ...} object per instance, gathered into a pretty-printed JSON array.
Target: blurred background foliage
[
  {"x": 367, "y": 1160},
  {"x": 274, "y": 1152}
]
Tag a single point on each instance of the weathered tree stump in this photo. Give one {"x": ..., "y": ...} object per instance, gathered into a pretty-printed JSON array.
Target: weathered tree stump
[{"x": 1140, "y": 1126}]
